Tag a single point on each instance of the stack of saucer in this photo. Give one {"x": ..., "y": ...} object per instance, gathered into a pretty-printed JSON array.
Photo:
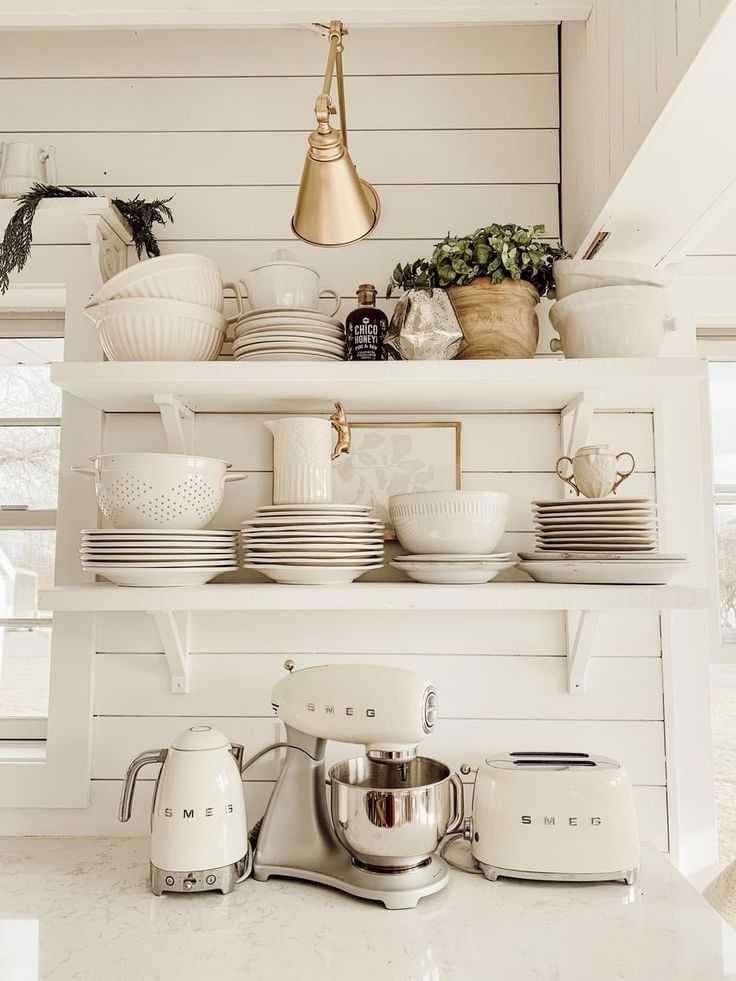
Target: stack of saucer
[
  {"x": 288, "y": 335},
  {"x": 451, "y": 569},
  {"x": 611, "y": 540},
  {"x": 158, "y": 556},
  {"x": 609, "y": 524},
  {"x": 306, "y": 544}
]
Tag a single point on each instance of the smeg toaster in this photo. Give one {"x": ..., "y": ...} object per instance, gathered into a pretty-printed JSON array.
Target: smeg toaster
[{"x": 558, "y": 816}]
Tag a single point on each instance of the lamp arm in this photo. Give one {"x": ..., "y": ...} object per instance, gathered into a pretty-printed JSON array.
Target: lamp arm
[{"x": 323, "y": 106}]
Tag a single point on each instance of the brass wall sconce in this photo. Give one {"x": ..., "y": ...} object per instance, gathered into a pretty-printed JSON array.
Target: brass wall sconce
[{"x": 334, "y": 206}]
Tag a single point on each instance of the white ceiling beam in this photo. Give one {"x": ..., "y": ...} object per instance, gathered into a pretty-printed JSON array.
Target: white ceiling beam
[{"x": 60, "y": 14}]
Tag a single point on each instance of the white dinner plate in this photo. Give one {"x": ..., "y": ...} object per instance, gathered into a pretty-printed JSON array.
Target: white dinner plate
[
  {"x": 311, "y": 576},
  {"x": 453, "y": 573},
  {"x": 588, "y": 547},
  {"x": 597, "y": 521},
  {"x": 157, "y": 533},
  {"x": 309, "y": 520},
  {"x": 278, "y": 342},
  {"x": 367, "y": 561},
  {"x": 492, "y": 557},
  {"x": 291, "y": 538},
  {"x": 315, "y": 547},
  {"x": 592, "y": 502},
  {"x": 618, "y": 572},
  {"x": 123, "y": 576},
  {"x": 287, "y": 356},
  {"x": 148, "y": 554},
  {"x": 293, "y": 329},
  {"x": 584, "y": 536},
  {"x": 598, "y": 556},
  {"x": 288, "y": 313}
]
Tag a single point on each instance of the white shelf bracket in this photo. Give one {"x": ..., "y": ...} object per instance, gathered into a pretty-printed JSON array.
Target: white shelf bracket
[
  {"x": 577, "y": 419},
  {"x": 109, "y": 251},
  {"x": 581, "y": 627},
  {"x": 178, "y": 423},
  {"x": 173, "y": 629}
]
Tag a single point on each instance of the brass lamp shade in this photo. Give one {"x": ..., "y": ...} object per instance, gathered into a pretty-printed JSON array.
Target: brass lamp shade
[{"x": 334, "y": 206}]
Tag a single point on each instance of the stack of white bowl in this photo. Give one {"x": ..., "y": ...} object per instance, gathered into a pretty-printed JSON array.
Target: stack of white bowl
[
  {"x": 165, "y": 309},
  {"x": 283, "y": 321},
  {"x": 313, "y": 544},
  {"x": 450, "y": 535},
  {"x": 610, "y": 309},
  {"x": 159, "y": 506}
]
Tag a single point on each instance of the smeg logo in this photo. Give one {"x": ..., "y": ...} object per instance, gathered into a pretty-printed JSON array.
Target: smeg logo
[
  {"x": 189, "y": 813},
  {"x": 554, "y": 821}
]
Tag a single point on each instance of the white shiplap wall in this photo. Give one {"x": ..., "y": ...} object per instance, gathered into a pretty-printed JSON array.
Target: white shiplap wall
[{"x": 457, "y": 128}]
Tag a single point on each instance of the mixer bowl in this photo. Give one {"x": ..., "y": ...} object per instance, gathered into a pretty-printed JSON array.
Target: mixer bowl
[{"x": 394, "y": 815}]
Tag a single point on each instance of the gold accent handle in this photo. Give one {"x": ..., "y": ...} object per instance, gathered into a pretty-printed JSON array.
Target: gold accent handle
[
  {"x": 342, "y": 427},
  {"x": 568, "y": 480},
  {"x": 624, "y": 474}
]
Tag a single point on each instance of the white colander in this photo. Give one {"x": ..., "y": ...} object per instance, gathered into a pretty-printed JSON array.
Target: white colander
[{"x": 159, "y": 490}]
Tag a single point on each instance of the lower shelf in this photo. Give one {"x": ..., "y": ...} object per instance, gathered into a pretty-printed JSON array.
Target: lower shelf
[{"x": 370, "y": 596}]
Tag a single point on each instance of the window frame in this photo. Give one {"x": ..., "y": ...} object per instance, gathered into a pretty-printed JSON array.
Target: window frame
[{"x": 27, "y": 729}]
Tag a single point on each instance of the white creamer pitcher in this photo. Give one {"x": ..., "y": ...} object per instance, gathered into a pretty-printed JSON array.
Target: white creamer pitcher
[
  {"x": 303, "y": 455},
  {"x": 22, "y": 164}
]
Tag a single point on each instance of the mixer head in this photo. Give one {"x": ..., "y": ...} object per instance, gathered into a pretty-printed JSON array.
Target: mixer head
[{"x": 389, "y": 710}]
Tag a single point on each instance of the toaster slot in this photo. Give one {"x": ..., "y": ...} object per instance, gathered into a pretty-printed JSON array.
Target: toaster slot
[{"x": 553, "y": 754}]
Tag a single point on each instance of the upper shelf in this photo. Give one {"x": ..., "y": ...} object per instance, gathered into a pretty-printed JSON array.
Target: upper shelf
[
  {"x": 370, "y": 596},
  {"x": 412, "y": 386}
]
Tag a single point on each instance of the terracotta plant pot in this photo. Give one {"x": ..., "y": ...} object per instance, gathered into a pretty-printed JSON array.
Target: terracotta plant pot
[{"x": 498, "y": 321}]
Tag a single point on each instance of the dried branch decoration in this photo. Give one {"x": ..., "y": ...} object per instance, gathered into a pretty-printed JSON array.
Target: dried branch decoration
[{"x": 16, "y": 244}]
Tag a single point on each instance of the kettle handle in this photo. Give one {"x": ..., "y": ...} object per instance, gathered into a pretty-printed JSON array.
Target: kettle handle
[{"x": 131, "y": 775}]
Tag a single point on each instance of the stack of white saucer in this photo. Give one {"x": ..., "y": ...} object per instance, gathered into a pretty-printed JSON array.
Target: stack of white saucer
[
  {"x": 611, "y": 540},
  {"x": 158, "y": 556},
  {"x": 289, "y": 334},
  {"x": 452, "y": 569},
  {"x": 305, "y": 544}
]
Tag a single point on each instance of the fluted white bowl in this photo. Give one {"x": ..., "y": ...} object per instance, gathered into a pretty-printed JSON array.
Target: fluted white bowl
[
  {"x": 137, "y": 329},
  {"x": 450, "y": 522},
  {"x": 183, "y": 276}
]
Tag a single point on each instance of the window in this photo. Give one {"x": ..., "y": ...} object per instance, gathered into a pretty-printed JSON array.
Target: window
[
  {"x": 721, "y": 352},
  {"x": 30, "y": 410}
]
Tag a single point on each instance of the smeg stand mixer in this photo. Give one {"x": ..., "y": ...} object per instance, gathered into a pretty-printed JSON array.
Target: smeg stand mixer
[{"x": 388, "y": 810}]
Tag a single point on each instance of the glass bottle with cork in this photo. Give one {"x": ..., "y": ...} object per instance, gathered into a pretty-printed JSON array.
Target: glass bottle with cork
[{"x": 365, "y": 327}]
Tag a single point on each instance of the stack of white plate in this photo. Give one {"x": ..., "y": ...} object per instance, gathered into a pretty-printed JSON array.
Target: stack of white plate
[
  {"x": 288, "y": 335},
  {"x": 610, "y": 540},
  {"x": 158, "y": 557},
  {"x": 307, "y": 544},
  {"x": 610, "y": 524},
  {"x": 454, "y": 569}
]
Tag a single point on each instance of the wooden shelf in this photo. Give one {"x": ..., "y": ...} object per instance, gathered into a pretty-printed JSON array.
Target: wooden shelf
[
  {"x": 411, "y": 386},
  {"x": 369, "y": 596}
]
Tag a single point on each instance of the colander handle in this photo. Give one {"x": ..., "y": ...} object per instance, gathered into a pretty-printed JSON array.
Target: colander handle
[
  {"x": 236, "y": 475},
  {"x": 87, "y": 471},
  {"x": 458, "y": 804}
]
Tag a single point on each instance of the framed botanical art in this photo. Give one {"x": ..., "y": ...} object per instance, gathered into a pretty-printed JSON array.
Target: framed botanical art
[{"x": 395, "y": 458}]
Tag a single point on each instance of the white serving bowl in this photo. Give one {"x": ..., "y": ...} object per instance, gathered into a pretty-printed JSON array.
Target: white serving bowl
[
  {"x": 137, "y": 329},
  {"x": 575, "y": 275},
  {"x": 612, "y": 322},
  {"x": 449, "y": 522},
  {"x": 159, "y": 490},
  {"x": 183, "y": 276}
]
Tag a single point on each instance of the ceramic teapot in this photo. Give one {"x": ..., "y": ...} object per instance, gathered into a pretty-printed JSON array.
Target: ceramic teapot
[
  {"x": 595, "y": 470},
  {"x": 303, "y": 454},
  {"x": 24, "y": 164},
  {"x": 284, "y": 282}
]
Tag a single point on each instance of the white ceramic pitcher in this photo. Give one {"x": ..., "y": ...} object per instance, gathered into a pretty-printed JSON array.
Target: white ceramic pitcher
[
  {"x": 22, "y": 164},
  {"x": 303, "y": 455}
]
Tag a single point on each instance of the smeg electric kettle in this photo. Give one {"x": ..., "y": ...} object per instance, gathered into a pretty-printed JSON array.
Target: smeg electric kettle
[{"x": 199, "y": 833}]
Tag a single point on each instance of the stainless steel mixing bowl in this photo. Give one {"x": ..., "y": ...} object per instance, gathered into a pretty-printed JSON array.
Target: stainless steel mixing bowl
[{"x": 393, "y": 815}]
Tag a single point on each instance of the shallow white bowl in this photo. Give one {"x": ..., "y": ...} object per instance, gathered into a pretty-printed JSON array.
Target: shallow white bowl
[
  {"x": 183, "y": 276},
  {"x": 449, "y": 521},
  {"x": 575, "y": 275},
  {"x": 614, "y": 322},
  {"x": 158, "y": 330},
  {"x": 453, "y": 573}
]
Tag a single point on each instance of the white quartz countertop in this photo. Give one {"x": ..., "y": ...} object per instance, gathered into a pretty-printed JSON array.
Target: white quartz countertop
[{"x": 73, "y": 909}]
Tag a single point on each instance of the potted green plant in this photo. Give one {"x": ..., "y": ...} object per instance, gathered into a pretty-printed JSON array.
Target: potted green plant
[{"x": 494, "y": 279}]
